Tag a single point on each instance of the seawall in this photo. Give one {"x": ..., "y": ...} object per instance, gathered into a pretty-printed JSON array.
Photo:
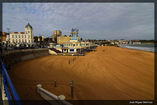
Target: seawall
[{"x": 14, "y": 56}]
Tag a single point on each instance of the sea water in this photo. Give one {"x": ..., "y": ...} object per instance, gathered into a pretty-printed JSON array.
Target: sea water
[{"x": 144, "y": 47}]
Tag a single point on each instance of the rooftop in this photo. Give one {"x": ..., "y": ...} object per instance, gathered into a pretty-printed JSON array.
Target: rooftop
[{"x": 28, "y": 25}]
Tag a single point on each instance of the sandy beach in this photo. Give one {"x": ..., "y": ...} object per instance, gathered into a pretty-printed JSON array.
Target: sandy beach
[{"x": 109, "y": 73}]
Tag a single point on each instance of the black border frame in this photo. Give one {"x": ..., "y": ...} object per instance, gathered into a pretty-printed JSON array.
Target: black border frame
[{"x": 95, "y": 102}]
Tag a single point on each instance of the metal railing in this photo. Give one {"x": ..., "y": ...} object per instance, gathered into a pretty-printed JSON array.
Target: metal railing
[
  {"x": 50, "y": 97},
  {"x": 9, "y": 89}
]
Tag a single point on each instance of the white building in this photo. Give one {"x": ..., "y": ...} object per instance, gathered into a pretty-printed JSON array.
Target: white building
[
  {"x": 26, "y": 37},
  {"x": 74, "y": 46}
]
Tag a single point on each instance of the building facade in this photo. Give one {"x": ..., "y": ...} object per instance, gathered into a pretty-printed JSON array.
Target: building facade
[
  {"x": 70, "y": 44},
  {"x": 26, "y": 37},
  {"x": 56, "y": 33},
  {"x": 73, "y": 45},
  {"x": 3, "y": 37},
  {"x": 63, "y": 39},
  {"x": 38, "y": 38}
]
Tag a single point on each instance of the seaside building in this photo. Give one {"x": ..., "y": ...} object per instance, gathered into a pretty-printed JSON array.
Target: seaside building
[
  {"x": 65, "y": 38},
  {"x": 3, "y": 37},
  {"x": 71, "y": 47},
  {"x": 71, "y": 44},
  {"x": 38, "y": 39},
  {"x": 136, "y": 42},
  {"x": 68, "y": 38},
  {"x": 26, "y": 37},
  {"x": 56, "y": 33},
  {"x": 130, "y": 42},
  {"x": 116, "y": 42},
  {"x": 123, "y": 41}
]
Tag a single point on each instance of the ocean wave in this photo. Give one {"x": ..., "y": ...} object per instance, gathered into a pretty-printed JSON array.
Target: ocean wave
[{"x": 139, "y": 48}]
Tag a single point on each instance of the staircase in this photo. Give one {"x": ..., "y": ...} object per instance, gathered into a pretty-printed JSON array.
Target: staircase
[{"x": 55, "y": 50}]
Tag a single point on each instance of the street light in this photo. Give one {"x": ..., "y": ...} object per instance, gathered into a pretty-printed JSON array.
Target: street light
[{"x": 8, "y": 41}]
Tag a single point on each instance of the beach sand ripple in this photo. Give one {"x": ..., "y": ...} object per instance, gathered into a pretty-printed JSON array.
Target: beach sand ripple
[{"x": 109, "y": 73}]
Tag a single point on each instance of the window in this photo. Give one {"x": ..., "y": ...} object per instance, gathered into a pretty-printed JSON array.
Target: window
[
  {"x": 71, "y": 50},
  {"x": 78, "y": 50},
  {"x": 12, "y": 36}
]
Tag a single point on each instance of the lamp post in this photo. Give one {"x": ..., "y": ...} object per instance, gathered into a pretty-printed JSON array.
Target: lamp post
[{"x": 8, "y": 40}]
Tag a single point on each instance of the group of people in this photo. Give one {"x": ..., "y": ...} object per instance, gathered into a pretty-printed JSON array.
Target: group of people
[{"x": 72, "y": 60}]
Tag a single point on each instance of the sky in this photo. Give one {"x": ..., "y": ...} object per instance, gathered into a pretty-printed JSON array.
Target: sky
[{"x": 94, "y": 20}]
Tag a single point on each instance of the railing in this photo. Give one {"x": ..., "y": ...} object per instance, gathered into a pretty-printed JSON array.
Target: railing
[
  {"x": 50, "y": 97},
  {"x": 9, "y": 89}
]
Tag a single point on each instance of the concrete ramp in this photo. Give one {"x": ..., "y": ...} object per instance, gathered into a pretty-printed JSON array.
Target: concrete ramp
[
  {"x": 50, "y": 97},
  {"x": 52, "y": 52}
]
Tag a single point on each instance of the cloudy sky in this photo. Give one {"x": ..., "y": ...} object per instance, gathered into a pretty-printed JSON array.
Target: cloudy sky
[{"x": 94, "y": 20}]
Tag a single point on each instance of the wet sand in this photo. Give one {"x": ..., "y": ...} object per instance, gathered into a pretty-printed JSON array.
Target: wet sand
[{"x": 109, "y": 73}]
